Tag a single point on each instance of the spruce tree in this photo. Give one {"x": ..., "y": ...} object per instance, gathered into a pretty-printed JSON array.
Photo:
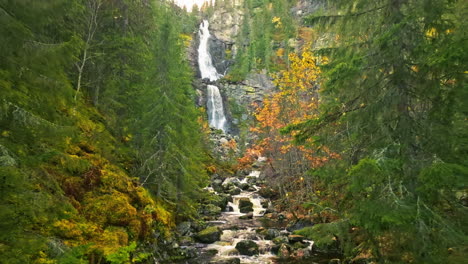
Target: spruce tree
[{"x": 393, "y": 103}]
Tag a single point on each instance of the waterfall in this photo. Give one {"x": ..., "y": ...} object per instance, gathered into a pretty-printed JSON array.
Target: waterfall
[
  {"x": 205, "y": 62},
  {"x": 215, "y": 107},
  {"x": 216, "y": 116}
]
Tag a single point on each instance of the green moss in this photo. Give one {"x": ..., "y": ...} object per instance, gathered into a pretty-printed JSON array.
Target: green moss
[{"x": 323, "y": 235}]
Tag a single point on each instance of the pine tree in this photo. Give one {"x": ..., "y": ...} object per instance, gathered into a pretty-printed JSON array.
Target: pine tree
[
  {"x": 171, "y": 152},
  {"x": 393, "y": 105}
]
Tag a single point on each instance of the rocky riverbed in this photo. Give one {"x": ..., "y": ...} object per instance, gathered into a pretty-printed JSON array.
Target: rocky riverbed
[{"x": 240, "y": 225}]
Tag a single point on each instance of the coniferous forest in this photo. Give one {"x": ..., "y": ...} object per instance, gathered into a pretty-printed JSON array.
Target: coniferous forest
[{"x": 344, "y": 135}]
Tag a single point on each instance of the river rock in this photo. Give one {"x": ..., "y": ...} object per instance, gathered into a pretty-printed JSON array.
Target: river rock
[
  {"x": 246, "y": 216},
  {"x": 209, "y": 235},
  {"x": 283, "y": 251},
  {"x": 234, "y": 191},
  {"x": 270, "y": 233},
  {"x": 247, "y": 247},
  {"x": 299, "y": 224},
  {"x": 301, "y": 253},
  {"x": 184, "y": 228},
  {"x": 295, "y": 238},
  {"x": 245, "y": 206},
  {"x": 227, "y": 261},
  {"x": 185, "y": 241},
  {"x": 244, "y": 186},
  {"x": 268, "y": 192},
  {"x": 211, "y": 210},
  {"x": 188, "y": 252},
  {"x": 280, "y": 240}
]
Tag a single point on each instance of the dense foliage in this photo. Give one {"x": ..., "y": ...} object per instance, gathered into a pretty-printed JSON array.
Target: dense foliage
[
  {"x": 263, "y": 40},
  {"x": 393, "y": 104},
  {"x": 93, "y": 95}
]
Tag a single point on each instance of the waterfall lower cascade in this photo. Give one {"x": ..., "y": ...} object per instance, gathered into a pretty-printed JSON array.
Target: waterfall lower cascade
[{"x": 215, "y": 106}]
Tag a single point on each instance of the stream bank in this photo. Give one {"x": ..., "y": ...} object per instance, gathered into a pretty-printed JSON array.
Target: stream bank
[{"x": 239, "y": 225}]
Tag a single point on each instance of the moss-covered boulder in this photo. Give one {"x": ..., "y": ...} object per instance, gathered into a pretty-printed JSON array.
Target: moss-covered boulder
[
  {"x": 245, "y": 206},
  {"x": 209, "y": 235},
  {"x": 325, "y": 236},
  {"x": 247, "y": 247}
]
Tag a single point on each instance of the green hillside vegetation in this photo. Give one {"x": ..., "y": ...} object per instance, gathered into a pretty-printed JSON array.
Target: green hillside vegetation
[{"x": 92, "y": 129}]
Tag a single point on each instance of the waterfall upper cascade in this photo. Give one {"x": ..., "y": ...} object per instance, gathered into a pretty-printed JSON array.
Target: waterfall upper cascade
[{"x": 215, "y": 106}]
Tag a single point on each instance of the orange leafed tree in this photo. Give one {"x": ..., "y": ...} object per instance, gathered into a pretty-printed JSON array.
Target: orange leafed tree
[{"x": 295, "y": 102}]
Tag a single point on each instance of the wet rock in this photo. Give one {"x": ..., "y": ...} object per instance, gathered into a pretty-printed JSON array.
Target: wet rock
[
  {"x": 268, "y": 192},
  {"x": 251, "y": 189},
  {"x": 209, "y": 235},
  {"x": 299, "y": 224},
  {"x": 245, "y": 206},
  {"x": 265, "y": 203},
  {"x": 184, "y": 228},
  {"x": 301, "y": 253},
  {"x": 211, "y": 210},
  {"x": 244, "y": 186},
  {"x": 247, "y": 216},
  {"x": 247, "y": 247},
  {"x": 234, "y": 191},
  {"x": 270, "y": 233},
  {"x": 185, "y": 241},
  {"x": 334, "y": 261},
  {"x": 280, "y": 240},
  {"x": 295, "y": 238},
  {"x": 283, "y": 251},
  {"x": 299, "y": 245},
  {"x": 231, "y": 252},
  {"x": 220, "y": 200},
  {"x": 188, "y": 252},
  {"x": 228, "y": 261}
]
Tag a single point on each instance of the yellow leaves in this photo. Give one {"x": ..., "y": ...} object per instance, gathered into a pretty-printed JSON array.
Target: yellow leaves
[
  {"x": 280, "y": 52},
  {"x": 6, "y": 133},
  {"x": 67, "y": 229},
  {"x": 415, "y": 68},
  {"x": 277, "y": 21},
  {"x": 186, "y": 39},
  {"x": 431, "y": 33}
]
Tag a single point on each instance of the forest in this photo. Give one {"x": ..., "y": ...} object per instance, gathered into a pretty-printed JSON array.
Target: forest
[{"x": 346, "y": 135}]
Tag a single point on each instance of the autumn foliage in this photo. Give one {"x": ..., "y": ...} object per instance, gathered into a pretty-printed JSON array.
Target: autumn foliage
[{"x": 296, "y": 101}]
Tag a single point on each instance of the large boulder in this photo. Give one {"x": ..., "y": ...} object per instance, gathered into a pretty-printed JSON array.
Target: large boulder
[
  {"x": 270, "y": 234},
  {"x": 184, "y": 228},
  {"x": 209, "y": 235},
  {"x": 247, "y": 247},
  {"x": 245, "y": 206},
  {"x": 211, "y": 210}
]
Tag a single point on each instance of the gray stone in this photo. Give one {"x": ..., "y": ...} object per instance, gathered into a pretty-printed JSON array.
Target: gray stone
[
  {"x": 184, "y": 228},
  {"x": 270, "y": 233},
  {"x": 246, "y": 216},
  {"x": 209, "y": 235},
  {"x": 227, "y": 261},
  {"x": 247, "y": 247},
  {"x": 211, "y": 210}
]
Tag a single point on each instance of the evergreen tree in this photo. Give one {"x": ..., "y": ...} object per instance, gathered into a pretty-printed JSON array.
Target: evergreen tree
[
  {"x": 393, "y": 104},
  {"x": 171, "y": 151}
]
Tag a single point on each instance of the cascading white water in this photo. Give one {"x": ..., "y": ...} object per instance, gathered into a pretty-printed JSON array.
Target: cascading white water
[
  {"x": 215, "y": 107},
  {"x": 216, "y": 116},
  {"x": 205, "y": 62}
]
